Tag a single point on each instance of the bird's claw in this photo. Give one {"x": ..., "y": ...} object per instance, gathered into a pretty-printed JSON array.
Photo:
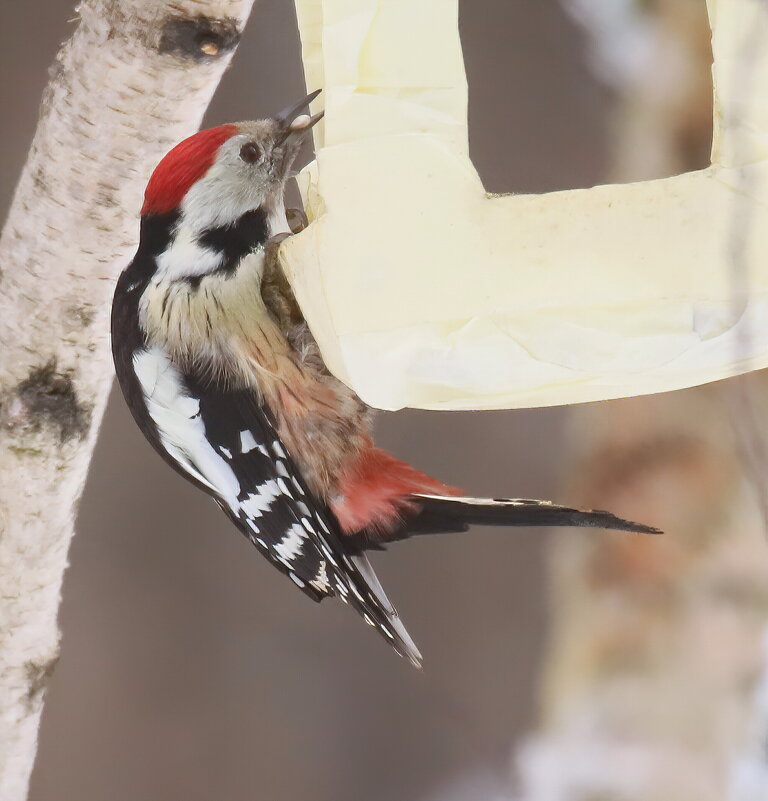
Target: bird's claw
[{"x": 297, "y": 221}]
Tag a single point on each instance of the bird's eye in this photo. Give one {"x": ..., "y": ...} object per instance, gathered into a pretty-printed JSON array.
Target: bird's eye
[{"x": 250, "y": 152}]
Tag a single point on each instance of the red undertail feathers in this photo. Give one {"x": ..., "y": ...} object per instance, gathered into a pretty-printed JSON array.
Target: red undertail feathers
[{"x": 375, "y": 492}]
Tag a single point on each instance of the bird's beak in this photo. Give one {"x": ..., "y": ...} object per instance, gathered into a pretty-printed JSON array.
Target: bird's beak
[
  {"x": 287, "y": 114},
  {"x": 304, "y": 122},
  {"x": 292, "y": 122}
]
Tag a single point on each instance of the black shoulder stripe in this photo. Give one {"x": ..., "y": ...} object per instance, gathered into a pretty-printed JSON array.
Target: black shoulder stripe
[{"x": 238, "y": 240}]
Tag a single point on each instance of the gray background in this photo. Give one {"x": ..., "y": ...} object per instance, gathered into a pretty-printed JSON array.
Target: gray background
[{"x": 192, "y": 670}]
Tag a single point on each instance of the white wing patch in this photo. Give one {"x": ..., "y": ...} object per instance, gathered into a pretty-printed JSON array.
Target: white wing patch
[
  {"x": 284, "y": 488},
  {"x": 290, "y": 546},
  {"x": 320, "y": 581},
  {"x": 260, "y": 500},
  {"x": 181, "y": 430},
  {"x": 247, "y": 441}
]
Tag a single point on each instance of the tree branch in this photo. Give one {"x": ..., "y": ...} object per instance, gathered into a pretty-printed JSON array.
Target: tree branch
[{"x": 135, "y": 77}]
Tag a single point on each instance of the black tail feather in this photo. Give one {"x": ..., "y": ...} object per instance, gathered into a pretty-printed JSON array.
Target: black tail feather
[
  {"x": 445, "y": 514},
  {"x": 439, "y": 514}
]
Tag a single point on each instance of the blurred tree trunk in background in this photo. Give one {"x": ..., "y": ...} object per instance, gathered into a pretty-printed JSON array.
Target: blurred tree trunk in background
[{"x": 656, "y": 643}]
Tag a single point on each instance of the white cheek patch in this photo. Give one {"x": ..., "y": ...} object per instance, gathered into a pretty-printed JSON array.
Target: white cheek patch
[
  {"x": 227, "y": 191},
  {"x": 180, "y": 427},
  {"x": 185, "y": 258}
]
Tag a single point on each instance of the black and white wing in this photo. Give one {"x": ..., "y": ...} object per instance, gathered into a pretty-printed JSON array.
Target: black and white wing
[{"x": 224, "y": 441}]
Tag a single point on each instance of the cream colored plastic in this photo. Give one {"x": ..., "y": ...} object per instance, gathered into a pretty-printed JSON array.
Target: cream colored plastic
[{"x": 423, "y": 291}]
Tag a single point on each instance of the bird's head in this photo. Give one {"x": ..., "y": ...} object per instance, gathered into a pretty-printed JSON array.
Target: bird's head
[{"x": 215, "y": 177}]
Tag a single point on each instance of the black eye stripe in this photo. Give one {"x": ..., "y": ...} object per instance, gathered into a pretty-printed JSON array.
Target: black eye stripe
[{"x": 250, "y": 152}]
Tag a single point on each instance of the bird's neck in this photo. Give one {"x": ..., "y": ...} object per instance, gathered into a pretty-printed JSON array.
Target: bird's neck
[
  {"x": 202, "y": 303},
  {"x": 199, "y": 292},
  {"x": 184, "y": 244},
  {"x": 194, "y": 251}
]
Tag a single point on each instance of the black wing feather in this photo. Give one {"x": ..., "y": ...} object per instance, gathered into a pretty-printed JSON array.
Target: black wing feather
[
  {"x": 272, "y": 501},
  {"x": 239, "y": 426}
]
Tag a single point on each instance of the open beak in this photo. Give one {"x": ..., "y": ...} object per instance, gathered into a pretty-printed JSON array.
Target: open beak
[
  {"x": 287, "y": 114},
  {"x": 293, "y": 122}
]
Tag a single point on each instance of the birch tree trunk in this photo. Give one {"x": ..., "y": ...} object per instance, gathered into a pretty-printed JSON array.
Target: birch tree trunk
[
  {"x": 136, "y": 77},
  {"x": 657, "y": 646}
]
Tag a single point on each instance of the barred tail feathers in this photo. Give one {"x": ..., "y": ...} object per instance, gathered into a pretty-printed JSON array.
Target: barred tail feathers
[{"x": 367, "y": 596}]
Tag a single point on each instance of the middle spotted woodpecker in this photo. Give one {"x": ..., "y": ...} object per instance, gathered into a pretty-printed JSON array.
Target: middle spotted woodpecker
[{"x": 225, "y": 380}]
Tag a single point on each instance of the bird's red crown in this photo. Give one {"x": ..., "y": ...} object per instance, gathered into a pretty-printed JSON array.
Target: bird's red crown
[{"x": 181, "y": 167}]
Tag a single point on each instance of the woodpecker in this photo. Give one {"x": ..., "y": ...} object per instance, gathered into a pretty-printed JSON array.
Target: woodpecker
[{"x": 224, "y": 378}]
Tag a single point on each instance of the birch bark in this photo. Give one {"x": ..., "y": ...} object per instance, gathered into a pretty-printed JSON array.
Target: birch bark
[{"x": 134, "y": 78}]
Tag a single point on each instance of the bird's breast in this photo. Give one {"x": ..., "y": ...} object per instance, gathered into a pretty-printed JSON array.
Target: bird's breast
[{"x": 218, "y": 327}]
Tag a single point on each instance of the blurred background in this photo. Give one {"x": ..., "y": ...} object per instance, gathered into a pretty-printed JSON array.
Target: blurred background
[{"x": 191, "y": 671}]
